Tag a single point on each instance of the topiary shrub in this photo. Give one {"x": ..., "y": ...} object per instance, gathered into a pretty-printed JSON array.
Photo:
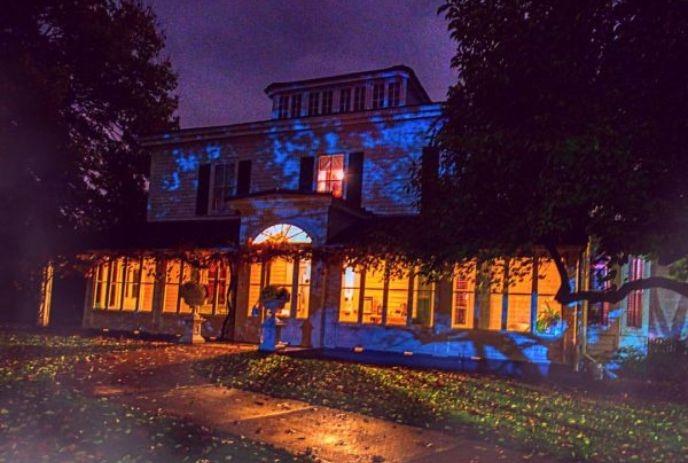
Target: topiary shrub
[{"x": 193, "y": 293}]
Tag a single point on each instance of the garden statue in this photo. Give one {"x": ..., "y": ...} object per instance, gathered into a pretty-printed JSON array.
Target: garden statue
[
  {"x": 193, "y": 293},
  {"x": 272, "y": 299}
]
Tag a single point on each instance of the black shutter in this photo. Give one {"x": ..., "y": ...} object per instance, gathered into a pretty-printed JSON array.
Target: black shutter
[
  {"x": 430, "y": 165},
  {"x": 306, "y": 174},
  {"x": 203, "y": 191},
  {"x": 354, "y": 179},
  {"x": 244, "y": 178}
]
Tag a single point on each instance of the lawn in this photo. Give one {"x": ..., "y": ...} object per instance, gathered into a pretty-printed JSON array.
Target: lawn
[
  {"x": 44, "y": 417},
  {"x": 564, "y": 422}
]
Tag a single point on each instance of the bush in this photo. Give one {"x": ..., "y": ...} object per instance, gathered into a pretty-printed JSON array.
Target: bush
[{"x": 666, "y": 360}]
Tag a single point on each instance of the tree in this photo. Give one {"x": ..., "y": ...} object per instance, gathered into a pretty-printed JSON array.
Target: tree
[
  {"x": 568, "y": 122},
  {"x": 79, "y": 81}
]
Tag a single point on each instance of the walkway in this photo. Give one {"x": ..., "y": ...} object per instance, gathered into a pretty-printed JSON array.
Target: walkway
[{"x": 162, "y": 380}]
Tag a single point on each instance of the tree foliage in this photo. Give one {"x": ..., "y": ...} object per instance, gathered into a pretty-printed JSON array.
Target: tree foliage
[
  {"x": 568, "y": 122},
  {"x": 79, "y": 81}
]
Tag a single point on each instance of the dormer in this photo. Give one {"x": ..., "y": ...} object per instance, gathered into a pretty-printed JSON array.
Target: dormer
[{"x": 374, "y": 90}]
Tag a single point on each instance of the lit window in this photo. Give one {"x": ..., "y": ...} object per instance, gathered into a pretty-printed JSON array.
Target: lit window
[
  {"x": 255, "y": 283},
  {"x": 393, "y": 94},
  {"x": 280, "y": 273},
  {"x": 296, "y": 105},
  {"x": 327, "y": 102},
  {"x": 351, "y": 294},
  {"x": 331, "y": 175},
  {"x": 549, "y": 311},
  {"x": 125, "y": 284},
  {"x": 224, "y": 185},
  {"x": 283, "y": 107},
  {"x": 491, "y": 278},
  {"x": 634, "y": 312},
  {"x": 519, "y": 294},
  {"x": 314, "y": 104},
  {"x": 463, "y": 297},
  {"x": 345, "y": 100},
  {"x": 371, "y": 295},
  {"x": 359, "y": 98},
  {"x": 282, "y": 233},
  {"x": 378, "y": 95}
]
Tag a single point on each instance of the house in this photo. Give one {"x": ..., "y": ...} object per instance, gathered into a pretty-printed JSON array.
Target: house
[{"x": 335, "y": 157}]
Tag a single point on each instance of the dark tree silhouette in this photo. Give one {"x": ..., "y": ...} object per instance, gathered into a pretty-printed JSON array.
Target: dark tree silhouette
[
  {"x": 79, "y": 81},
  {"x": 568, "y": 122}
]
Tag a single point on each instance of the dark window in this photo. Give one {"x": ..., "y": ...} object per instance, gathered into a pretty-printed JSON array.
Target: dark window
[
  {"x": 598, "y": 312},
  {"x": 224, "y": 183},
  {"x": 378, "y": 95},
  {"x": 243, "y": 182},
  {"x": 296, "y": 105},
  {"x": 345, "y": 100},
  {"x": 306, "y": 174},
  {"x": 359, "y": 98},
  {"x": 314, "y": 104},
  {"x": 393, "y": 94},
  {"x": 327, "y": 102},
  {"x": 634, "y": 313},
  {"x": 203, "y": 189},
  {"x": 283, "y": 108}
]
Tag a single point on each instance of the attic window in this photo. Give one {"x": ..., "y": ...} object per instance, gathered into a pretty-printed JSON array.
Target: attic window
[
  {"x": 283, "y": 108},
  {"x": 393, "y": 94},
  {"x": 359, "y": 98},
  {"x": 378, "y": 95},
  {"x": 296, "y": 105}
]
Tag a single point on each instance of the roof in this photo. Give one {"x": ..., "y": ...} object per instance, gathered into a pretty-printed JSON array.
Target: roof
[{"x": 413, "y": 80}]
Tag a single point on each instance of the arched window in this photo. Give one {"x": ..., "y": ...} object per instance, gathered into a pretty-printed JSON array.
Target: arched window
[{"x": 282, "y": 233}]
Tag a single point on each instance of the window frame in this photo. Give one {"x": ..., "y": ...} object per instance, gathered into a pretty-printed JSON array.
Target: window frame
[
  {"x": 313, "y": 104},
  {"x": 121, "y": 287},
  {"x": 394, "y": 94},
  {"x": 294, "y": 285},
  {"x": 359, "y": 98},
  {"x": 295, "y": 103},
  {"x": 635, "y": 299},
  {"x": 345, "y": 100},
  {"x": 329, "y": 181},
  {"x": 221, "y": 206},
  {"x": 183, "y": 267},
  {"x": 411, "y": 295},
  {"x": 327, "y": 102},
  {"x": 283, "y": 107}
]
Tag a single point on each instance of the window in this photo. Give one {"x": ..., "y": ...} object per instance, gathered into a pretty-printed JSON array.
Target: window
[
  {"x": 214, "y": 278},
  {"x": 634, "y": 311},
  {"x": 393, "y": 94},
  {"x": 519, "y": 294},
  {"x": 351, "y": 295},
  {"x": 359, "y": 98},
  {"x": 549, "y": 311},
  {"x": 378, "y": 95},
  {"x": 490, "y": 305},
  {"x": 327, "y": 102},
  {"x": 280, "y": 272},
  {"x": 296, "y": 105},
  {"x": 224, "y": 185},
  {"x": 598, "y": 312},
  {"x": 314, "y": 104},
  {"x": 345, "y": 100},
  {"x": 463, "y": 296},
  {"x": 125, "y": 284},
  {"x": 372, "y": 295},
  {"x": 330, "y": 177},
  {"x": 283, "y": 107}
]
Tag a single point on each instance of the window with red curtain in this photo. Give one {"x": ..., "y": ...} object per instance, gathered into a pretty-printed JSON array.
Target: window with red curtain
[{"x": 634, "y": 311}]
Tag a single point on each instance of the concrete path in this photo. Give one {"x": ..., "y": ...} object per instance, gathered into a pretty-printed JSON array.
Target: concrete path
[{"x": 327, "y": 434}]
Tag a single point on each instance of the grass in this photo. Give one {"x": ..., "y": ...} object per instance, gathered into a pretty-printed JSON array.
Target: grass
[
  {"x": 44, "y": 417},
  {"x": 566, "y": 423}
]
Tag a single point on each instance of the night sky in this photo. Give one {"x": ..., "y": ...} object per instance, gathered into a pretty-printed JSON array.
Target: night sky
[{"x": 226, "y": 52}]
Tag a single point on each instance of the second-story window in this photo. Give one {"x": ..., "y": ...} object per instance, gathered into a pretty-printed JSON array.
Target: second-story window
[
  {"x": 314, "y": 104},
  {"x": 345, "y": 100},
  {"x": 393, "y": 94},
  {"x": 283, "y": 107},
  {"x": 378, "y": 95},
  {"x": 327, "y": 102},
  {"x": 224, "y": 184},
  {"x": 296, "y": 105},
  {"x": 359, "y": 98},
  {"x": 331, "y": 175}
]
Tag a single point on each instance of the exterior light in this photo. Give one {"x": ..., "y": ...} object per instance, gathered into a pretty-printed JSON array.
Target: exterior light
[
  {"x": 408, "y": 353},
  {"x": 358, "y": 349}
]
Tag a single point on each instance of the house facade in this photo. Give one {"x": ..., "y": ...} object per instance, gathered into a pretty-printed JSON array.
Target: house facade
[{"x": 335, "y": 156}]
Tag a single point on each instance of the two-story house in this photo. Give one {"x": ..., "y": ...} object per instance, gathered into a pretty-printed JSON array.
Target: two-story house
[{"x": 336, "y": 155}]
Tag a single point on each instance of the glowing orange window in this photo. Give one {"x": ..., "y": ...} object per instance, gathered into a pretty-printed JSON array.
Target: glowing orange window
[{"x": 331, "y": 175}]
